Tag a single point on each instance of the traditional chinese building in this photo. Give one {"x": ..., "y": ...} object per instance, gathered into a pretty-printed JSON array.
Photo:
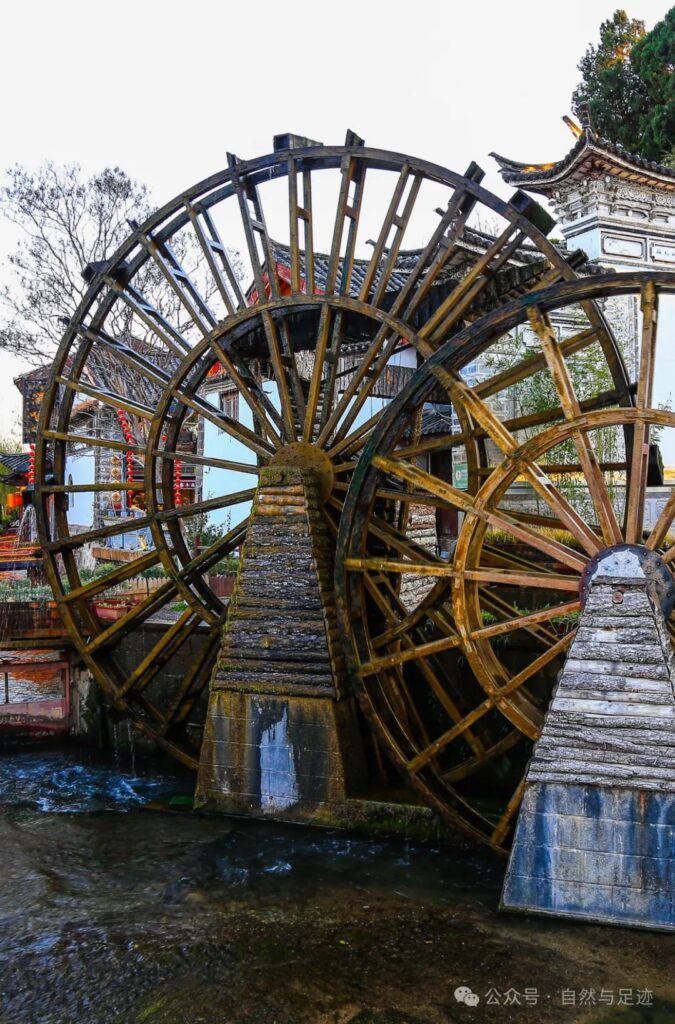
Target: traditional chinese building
[
  {"x": 620, "y": 211},
  {"x": 617, "y": 207}
]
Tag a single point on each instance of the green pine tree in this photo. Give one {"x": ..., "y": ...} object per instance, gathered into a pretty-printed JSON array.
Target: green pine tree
[{"x": 628, "y": 85}]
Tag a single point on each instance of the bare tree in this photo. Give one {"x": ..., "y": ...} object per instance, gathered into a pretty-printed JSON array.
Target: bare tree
[{"x": 65, "y": 221}]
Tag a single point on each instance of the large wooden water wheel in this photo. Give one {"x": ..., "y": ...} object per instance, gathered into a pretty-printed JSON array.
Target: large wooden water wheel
[
  {"x": 270, "y": 311},
  {"x": 457, "y": 685}
]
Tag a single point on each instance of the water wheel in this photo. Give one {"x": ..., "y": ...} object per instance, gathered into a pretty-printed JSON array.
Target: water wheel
[
  {"x": 456, "y": 685},
  {"x": 272, "y": 310}
]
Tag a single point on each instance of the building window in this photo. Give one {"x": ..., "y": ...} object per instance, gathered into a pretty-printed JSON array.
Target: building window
[{"x": 229, "y": 404}]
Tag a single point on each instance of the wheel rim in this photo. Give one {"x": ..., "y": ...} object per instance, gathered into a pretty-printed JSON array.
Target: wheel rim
[
  {"x": 138, "y": 360},
  {"x": 444, "y": 735}
]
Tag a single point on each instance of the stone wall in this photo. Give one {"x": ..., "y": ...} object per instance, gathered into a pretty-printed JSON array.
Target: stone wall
[
  {"x": 422, "y": 530},
  {"x": 596, "y": 831}
]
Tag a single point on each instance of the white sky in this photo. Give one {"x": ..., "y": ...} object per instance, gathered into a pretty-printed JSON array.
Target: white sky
[{"x": 165, "y": 89}]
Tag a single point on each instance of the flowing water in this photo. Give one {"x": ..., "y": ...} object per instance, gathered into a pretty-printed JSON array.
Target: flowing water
[{"x": 117, "y": 904}]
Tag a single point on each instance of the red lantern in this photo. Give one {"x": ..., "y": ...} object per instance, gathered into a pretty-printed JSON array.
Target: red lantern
[
  {"x": 31, "y": 464},
  {"x": 177, "y": 482}
]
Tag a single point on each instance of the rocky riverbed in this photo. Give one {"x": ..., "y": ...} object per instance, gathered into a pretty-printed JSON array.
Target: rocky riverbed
[{"x": 118, "y": 906}]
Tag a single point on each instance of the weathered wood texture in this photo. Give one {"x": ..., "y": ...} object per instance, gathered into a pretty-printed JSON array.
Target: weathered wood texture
[
  {"x": 596, "y": 831},
  {"x": 282, "y": 626},
  {"x": 281, "y": 737},
  {"x": 614, "y": 696}
]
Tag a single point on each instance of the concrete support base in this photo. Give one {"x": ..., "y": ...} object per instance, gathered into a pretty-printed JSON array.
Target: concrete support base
[
  {"x": 276, "y": 755},
  {"x": 595, "y": 837},
  {"x": 605, "y": 855}
]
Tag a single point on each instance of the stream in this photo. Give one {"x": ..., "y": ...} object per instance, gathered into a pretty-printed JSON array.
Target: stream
[{"x": 118, "y": 904}]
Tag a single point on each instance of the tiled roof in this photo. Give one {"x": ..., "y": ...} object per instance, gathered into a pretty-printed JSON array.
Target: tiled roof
[
  {"x": 17, "y": 464},
  {"x": 591, "y": 153},
  {"x": 471, "y": 241},
  {"x": 437, "y": 420}
]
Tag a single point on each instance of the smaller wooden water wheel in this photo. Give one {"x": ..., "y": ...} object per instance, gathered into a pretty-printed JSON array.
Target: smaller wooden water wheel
[
  {"x": 457, "y": 685},
  {"x": 297, "y": 293}
]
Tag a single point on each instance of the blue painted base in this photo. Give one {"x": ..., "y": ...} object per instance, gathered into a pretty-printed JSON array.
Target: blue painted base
[{"x": 600, "y": 854}]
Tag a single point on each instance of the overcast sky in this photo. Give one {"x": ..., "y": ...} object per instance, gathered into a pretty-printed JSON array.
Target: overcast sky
[{"x": 165, "y": 89}]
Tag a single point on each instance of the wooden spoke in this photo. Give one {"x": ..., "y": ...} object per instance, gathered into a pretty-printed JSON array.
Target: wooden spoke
[
  {"x": 108, "y": 398},
  {"x": 459, "y": 728},
  {"x": 568, "y": 517},
  {"x": 385, "y": 231},
  {"x": 255, "y": 229},
  {"x": 504, "y": 823},
  {"x": 225, "y": 423},
  {"x": 439, "y": 249},
  {"x": 425, "y": 668},
  {"x": 460, "y": 394},
  {"x": 209, "y": 505},
  {"x": 330, "y": 382},
  {"x": 110, "y": 485},
  {"x": 467, "y": 768},
  {"x": 515, "y": 424},
  {"x": 179, "y": 281},
  {"x": 77, "y": 540},
  {"x": 161, "y": 652},
  {"x": 435, "y": 748},
  {"x": 126, "y": 355},
  {"x": 274, "y": 346},
  {"x": 323, "y": 335},
  {"x": 602, "y": 503},
  {"x": 293, "y": 376},
  {"x": 253, "y": 394},
  {"x": 86, "y": 441},
  {"x": 533, "y": 364},
  {"x": 191, "y": 459},
  {"x": 639, "y": 457},
  {"x": 217, "y": 257},
  {"x": 301, "y": 214},
  {"x": 410, "y": 654},
  {"x": 525, "y": 621},
  {"x": 361, "y": 387},
  {"x": 254, "y": 388},
  {"x": 379, "y": 270},
  {"x": 133, "y": 618},
  {"x": 150, "y": 316},
  {"x": 452, "y": 308},
  {"x": 212, "y": 554},
  {"x": 547, "y": 581},
  {"x": 461, "y": 500},
  {"x": 400, "y": 627},
  {"x": 350, "y": 198},
  {"x": 356, "y": 440},
  {"x": 126, "y": 571},
  {"x": 193, "y": 683}
]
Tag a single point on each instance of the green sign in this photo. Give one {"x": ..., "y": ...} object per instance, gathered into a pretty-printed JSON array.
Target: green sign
[{"x": 460, "y": 475}]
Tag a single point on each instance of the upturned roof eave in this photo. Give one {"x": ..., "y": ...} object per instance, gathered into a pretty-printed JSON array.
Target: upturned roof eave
[{"x": 543, "y": 178}]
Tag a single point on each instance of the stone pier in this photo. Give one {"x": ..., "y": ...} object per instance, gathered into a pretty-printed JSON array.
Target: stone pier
[
  {"x": 595, "y": 837},
  {"x": 281, "y": 735}
]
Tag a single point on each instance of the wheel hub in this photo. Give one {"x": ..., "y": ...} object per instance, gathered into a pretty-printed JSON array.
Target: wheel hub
[
  {"x": 310, "y": 460},
  {"x": 633, "y": 560}
]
